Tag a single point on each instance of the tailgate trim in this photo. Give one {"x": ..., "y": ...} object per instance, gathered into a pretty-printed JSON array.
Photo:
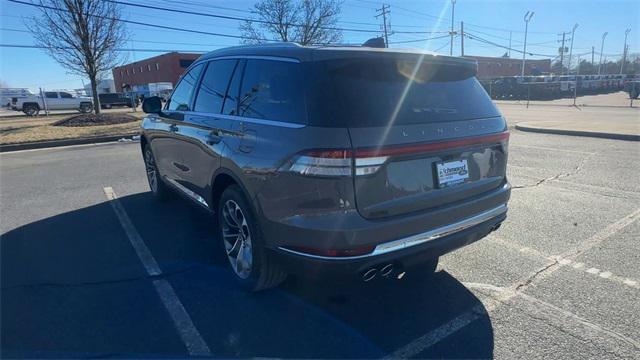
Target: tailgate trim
[{"x": 410, "y": 241}]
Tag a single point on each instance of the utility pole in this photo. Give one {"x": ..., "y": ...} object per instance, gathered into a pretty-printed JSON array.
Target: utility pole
[
  {"x": 601, "y": 50},
  {"x": 624, "y": 50},
  {"x": 527, "y": 17},
  {"x": 562, "y": 52},
  {"x": 453, "y": 11},
  {"x": 384, "y": 12},
  {"x": 593, "y": 50},
  {"x": 461, "y": 38},
  {"x": 509, "y": 50},
  {"x": 573, "y": 34}
]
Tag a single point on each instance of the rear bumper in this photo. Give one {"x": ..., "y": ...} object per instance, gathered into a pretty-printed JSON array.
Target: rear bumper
[
  {"x": 406, "y": 239},
  {"x": 316, "y": 267}
]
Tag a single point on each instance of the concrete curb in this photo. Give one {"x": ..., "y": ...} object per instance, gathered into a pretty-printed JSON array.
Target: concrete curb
[
  {"x": 595, "y": 134},
  {"x": 64, "y": 142}
]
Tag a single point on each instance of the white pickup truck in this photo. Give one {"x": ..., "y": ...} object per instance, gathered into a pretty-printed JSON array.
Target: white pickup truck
[{"x": 55, "y": 100}]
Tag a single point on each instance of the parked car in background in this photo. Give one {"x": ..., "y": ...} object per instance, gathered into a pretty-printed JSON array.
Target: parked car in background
[
  {"x": 53, "y": 100},
  {"x": 107, "y": 101},
  {"x": 322, "y": 161},
  {"x": 7, "y": 94}
]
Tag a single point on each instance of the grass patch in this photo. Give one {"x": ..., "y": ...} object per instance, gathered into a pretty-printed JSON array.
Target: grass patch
[
  {"x": 25, "y": 134},
  {"x": 95, "y": 120},
  {"x": 34, "y": 129}
]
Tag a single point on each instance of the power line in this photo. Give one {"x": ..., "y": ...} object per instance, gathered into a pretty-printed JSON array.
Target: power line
[
  {"x": 232, "y": 17},
  {"x": 26, "y": 46},
  {"x": 477, "y": 38},
  {"x": 144, "y": 24},
  {"x": 227, "y": 17},
  {"x": 420, "y": 40}
]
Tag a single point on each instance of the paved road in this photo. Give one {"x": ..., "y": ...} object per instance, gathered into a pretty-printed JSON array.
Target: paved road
[{"x": 559, "y": 279}]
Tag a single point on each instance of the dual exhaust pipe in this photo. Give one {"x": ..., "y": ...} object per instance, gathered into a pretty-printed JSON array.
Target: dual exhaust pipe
[{"x": 385, "y": 271}]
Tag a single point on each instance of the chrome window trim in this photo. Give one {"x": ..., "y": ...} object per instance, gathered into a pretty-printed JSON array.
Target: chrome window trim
[
  {"x": 235, "y": 117},
  {"x": 197, "y": 198},
  {"x": 256, "y": 57},
  {"x": 410, "y": 241},
  {"x": 249, "y": 120}
]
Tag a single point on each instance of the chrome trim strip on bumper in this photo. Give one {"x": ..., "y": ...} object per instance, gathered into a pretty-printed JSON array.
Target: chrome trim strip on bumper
[
  {"x": 417, "y": 239},
  {"x": 195, "y": 197}
]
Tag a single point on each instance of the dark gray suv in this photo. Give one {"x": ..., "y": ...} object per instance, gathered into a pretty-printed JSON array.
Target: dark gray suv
[{"x": 324, "y": 161}]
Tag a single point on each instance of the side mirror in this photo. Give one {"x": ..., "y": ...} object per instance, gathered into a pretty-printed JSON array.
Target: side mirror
[{"x": 152, "y": 105}]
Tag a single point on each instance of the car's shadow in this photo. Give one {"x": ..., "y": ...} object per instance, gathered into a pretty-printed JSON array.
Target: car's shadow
[{"x": 87, "y": 248}]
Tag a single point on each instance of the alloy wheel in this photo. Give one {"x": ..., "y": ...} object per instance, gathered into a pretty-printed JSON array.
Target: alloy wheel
[
  {"x": 237, "y": 239},
  {"x": 152, "y": 171}
]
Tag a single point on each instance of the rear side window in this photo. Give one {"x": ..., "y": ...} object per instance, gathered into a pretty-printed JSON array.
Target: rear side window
[
  {"x": 51, "y": 95},
  {"x": 181, "y": 97},
  {"x": 213, "y": 88},
  {"x": 361, "y": 92},
  {"x": 272, "y": 90}
]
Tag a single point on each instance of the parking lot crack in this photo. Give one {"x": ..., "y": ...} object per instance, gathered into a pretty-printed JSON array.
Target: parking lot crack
[
  {"x": 575, "y": 171},
  {"x": 101, "y": 282}
]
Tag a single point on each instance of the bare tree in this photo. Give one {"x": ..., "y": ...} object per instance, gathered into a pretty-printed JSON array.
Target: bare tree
[
  {"x": 81, "y": 35},
  {"x": 305, "y": 22}
]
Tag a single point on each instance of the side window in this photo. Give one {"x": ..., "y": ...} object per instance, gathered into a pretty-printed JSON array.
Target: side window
[
  {"x": 65, "y": 95},
  {"x": 272, "y": 90},
  {"x": 231, "y": 104},
  {"x": 181, "y": 97},
  {"x": 51, "y": 95},
  {"x": 213, "y": 87}
]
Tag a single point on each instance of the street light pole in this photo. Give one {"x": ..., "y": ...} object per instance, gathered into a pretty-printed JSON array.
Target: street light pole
[
  {"x": 527, "y": 17},
  {"x": 601, "y": 49},
  {"x": 573, "y": 33},
  {"x": 453, "y": 12},
  {"x": 624, "y": 50}
]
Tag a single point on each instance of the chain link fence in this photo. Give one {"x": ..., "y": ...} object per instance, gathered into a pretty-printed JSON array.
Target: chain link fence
[{"x": 566, "y": 90}]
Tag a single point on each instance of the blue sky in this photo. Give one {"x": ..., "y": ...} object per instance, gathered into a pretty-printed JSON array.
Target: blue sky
[{"x": 490, "y": 20}]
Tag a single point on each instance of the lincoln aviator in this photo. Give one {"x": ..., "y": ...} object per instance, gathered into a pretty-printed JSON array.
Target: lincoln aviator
[{"x": 331, "y": 161}]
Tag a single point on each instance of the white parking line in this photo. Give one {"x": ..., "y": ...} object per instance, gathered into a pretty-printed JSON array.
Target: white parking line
[
  {"x": 190, "y": 335},
  {"x": 435, "y": 336},
  {"x": 562, "y": 262}
]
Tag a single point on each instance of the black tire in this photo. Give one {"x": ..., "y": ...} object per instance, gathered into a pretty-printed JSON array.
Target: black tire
[
  {"x": 263, "y": 272},
  {"x": 159, "y": 189},
  {"x": 30, "y": 109}
]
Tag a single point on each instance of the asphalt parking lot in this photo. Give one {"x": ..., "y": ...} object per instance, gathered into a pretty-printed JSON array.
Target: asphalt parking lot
[{"x": 560, "y": 279}]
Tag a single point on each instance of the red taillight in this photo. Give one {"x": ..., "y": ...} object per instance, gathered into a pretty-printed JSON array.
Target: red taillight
[
  {"x": 430, "y": 147},
  {"x": 334, "y": 253},
  {"x": 338, "y": 162}
]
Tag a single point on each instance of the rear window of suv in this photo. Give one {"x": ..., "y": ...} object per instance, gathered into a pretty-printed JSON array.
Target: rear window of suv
[{"x": 362, "y": 92}]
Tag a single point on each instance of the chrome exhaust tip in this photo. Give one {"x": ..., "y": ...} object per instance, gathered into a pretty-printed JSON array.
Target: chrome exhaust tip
[
  {"x": 386, "y": 270},
  {"x": 369, "y": 274}
]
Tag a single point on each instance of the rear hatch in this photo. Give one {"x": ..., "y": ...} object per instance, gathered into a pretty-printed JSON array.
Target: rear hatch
[{"x": 424, "y": 132}]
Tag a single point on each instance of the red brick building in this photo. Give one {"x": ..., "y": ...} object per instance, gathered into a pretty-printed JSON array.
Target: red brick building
[
  {"x": 166, "y": 68},
  {"x": 493, "y": 67}
]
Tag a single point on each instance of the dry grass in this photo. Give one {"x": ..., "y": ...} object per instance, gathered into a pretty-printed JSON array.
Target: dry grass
[{"x": 38, "y": 132}]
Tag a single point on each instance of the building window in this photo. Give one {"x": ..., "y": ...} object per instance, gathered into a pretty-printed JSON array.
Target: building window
[
  {"x": 140, "y": 68},
  {"x": 157, "y": 66},
  {"x": 185, "y": 63},
  {"x": 127, "y": 72},
  {"x": 148, "y": 67},
  {"x": 121, "y": 73},
  {"x": 133, "y": 70}
]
